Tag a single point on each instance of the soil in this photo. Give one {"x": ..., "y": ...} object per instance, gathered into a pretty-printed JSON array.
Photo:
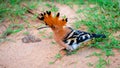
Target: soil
[{"x": 16, "y": 54}]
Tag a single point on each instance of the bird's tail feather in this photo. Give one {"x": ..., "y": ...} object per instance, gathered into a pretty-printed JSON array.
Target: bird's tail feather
[{"x": 98, "y": 35}]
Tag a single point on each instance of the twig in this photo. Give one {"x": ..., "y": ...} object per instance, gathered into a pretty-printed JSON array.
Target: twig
[
  {"x": 31, "y": 11},
  {"x": 28, "y": 9}
]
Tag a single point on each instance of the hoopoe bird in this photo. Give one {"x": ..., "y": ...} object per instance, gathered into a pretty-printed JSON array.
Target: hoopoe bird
[{"x": 65, "y": 36}]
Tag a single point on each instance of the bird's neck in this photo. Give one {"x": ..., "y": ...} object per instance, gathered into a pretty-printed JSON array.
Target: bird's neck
[{"x": 61, "y": 33}]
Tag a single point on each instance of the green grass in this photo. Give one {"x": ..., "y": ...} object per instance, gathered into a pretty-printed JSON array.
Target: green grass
[
  {"x": 90, "y": 64},
  {"x": 12, "y": 29},
  {"x": 52, "y": 42},
  {"x": 26, "y": 33},
  {"x": 57, "y": 56},
  {"x": 50, "y": 36},
  {"x": 51, "y": 62},
  {"x": 52, "y": 7},
  {"x": 12, "y": 9},
  {"x": 102, "y": 63}
]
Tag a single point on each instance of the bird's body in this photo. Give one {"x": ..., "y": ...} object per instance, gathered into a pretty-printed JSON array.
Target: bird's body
[
  {"x": 66, "y": 36},
  {"x": 77, "y": 37},
  {"x": 74, "y": 38}
]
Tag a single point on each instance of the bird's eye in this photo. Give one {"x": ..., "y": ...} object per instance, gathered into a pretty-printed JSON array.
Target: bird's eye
[
  {"x": 46, "y": 23},
  {"x": 53, "y": 27}
]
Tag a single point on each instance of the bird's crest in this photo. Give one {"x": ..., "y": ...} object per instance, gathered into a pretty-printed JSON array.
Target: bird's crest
[{"x": 52, "y": 21}]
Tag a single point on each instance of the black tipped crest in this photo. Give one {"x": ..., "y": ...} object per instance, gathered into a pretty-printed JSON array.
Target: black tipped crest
[
  {"x": 44, "y": 13},
  {"x": 66, "y": 19},
  {"x": 49, "y": 12},
  {"x": 41, "y": 14},
  {"x": 58, "y": 14},
  {"x": 41, "y": 18}
]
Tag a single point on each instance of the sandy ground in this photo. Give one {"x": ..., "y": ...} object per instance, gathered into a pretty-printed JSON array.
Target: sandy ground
[{"x": 16, "y": 54}]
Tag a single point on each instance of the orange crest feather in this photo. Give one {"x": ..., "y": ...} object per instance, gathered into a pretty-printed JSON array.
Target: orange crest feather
[{"x": 53, "y": 21}]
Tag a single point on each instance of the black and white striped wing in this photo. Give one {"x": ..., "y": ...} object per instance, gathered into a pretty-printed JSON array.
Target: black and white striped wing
[{"x": 76, "y": 37}]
